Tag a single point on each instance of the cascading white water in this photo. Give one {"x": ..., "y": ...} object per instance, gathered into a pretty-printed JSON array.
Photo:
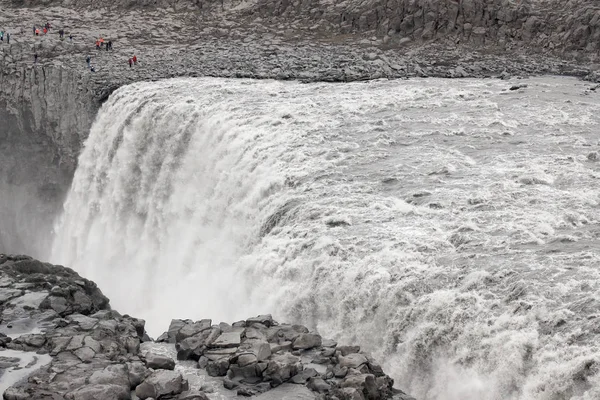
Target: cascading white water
[{"x": 448, "y": 226}]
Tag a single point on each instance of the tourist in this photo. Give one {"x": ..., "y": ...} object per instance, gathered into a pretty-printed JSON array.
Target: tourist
[
  {"x": 92, "y": 69},
  {"x": 70, "y": 38},
  {"x": 109, "y": 45},
  {"x": 130, "y": 62},
  {"x": 87, "y": 60},
  {"x": 34, "y": 30},
  {"x": 134, "y": 59},
  {"x": 37, "y": 32},
  {"x": 35, "y": 57},
  {"x": 2, "y": 36},
  {"x": 45, "y": 30}
]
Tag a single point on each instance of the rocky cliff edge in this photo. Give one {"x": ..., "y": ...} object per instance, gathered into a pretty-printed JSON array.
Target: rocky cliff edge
[{"x": 59, "y": 339}]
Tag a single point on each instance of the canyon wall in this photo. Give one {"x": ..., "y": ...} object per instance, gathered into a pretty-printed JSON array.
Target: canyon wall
[{"x": 45, "y": 113}]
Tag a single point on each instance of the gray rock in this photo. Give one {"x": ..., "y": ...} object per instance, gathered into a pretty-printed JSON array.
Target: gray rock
[
  {"x": 218, "y": 367},
  {"x": 345, "y": 350},
  {"x": 99, "y": 392},
  {"x": 115, "y": 374},
  {"x": 266, "y": 320},
  {"x": 228, "y": 339},
  {"x": 303, "y": 376},
  {"x": 217, "y": 354},
  {"x": 318, "y": 385},
  {"x": 354, "y": 360},
  {"x": 306, "y": 341},
  {"x": 246, "y": 359},
  {"x": 161, "y": 383},
  {"x": 192, "y": 395},
  {"x": 157, "y": 361}
]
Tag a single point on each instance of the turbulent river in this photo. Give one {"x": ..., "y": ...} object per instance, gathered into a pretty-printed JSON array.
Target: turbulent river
[{"x": 449, "y": 226}]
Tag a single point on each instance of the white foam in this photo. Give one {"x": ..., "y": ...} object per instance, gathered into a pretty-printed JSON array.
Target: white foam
[{"x": 395, "y": 214}]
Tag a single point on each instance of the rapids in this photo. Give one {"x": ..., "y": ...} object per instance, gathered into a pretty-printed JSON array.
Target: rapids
[{"x": 448, "y": 226}]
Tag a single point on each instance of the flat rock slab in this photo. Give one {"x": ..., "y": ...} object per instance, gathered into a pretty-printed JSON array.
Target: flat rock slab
[{"x": 228, "y": 339}]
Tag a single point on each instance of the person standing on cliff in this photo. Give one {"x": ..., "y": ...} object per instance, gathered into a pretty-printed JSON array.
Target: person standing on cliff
[
  {"x": 35, "y": 57},
  {"x": 2, "y": 36},
  {"x": 134, "y": 59},
  {"x": 37, "y": 32},
  {"x": 87, "y": 60},
  {"x": 130, "y": 62}
]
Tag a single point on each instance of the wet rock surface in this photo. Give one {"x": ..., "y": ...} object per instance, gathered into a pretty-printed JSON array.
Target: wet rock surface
[
  {"x": 259, "y": 354},
  {"x": 77, "y": 348}
]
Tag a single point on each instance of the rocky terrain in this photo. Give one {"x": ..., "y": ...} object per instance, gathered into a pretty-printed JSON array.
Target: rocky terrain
[
  {"x": 59, "y": 339},
  {"x": 46, "y": 108}
]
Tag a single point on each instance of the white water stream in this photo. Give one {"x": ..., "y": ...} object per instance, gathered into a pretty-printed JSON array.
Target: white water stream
[{"x": 449, "y": 226}]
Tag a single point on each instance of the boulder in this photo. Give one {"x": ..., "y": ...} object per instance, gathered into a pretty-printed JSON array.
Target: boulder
[
  {"x": 306, "y": 341},
  {"x": 318, "y": 385},
  {"x": 244, "y": 360},
  {"x": 345, "y": 350},
  {"x": 217, "y": 354},
  {"x": 115, "y": 374},
  {"x": 303, "y": 376},
  {"x": 354, "y": 360},
  {"x": 364, "y": 383},
  {"x": 157, "y": 361},
  {"x": 228, "y": 339},
  {"x": 192, "y": 329},
  {"x": 160, "y": 384},
  {"x": 218, "y": 367},
  {"x": 266, "y": 320},
  {"x": 192, "y": 395},
  {"x": 99, "y": 392},
  {"x": 190, "y": 348}
]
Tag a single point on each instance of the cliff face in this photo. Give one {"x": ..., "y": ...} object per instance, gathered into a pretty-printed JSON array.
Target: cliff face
[
  {"x": 46, "y": 113},
  {"x": 538, "y": 25}
]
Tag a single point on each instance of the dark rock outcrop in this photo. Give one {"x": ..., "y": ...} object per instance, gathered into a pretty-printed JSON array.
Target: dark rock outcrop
[
  {"x": 258, "y": 354},
  {"x": 93, "y": 353}
]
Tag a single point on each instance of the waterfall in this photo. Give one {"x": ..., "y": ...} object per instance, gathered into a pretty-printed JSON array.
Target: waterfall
[{"x": 446, "y": 226}]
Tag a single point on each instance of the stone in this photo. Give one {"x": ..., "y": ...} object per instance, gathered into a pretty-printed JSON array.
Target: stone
[
  {"x": 283, "y": 346},
  {"x": 246, "y": 359},
  {"x": 192, "y": 329},
  {"x": 192, "y": 395},
  {"x": 136, "y": 372},
  {"x": 306, "y": 341},
  {"x": 354, "y": 360},
  {"x": 340, "y": 372},
  {"x": 365, "y": 383},
  {"x": 345, "y": 350},
  {"x": 99, "y": 392},
  {"x": 318, "y": 385},
  {"x": 174, "y": 327},
  {"x": 161, "y": 383},
  {"x": 228, "y": 339},
  {"x": 217, "y": 354},
  {"x": 218, "y": 367},
  {"x": 157, "y": 361},
  {"x": 115, "y": 374},
  {"x": 229, "y": 384},
  {"x": 266, "y": 320},
  {"x": 190, "y": 348},
  {"x": 303, "y": 376}
]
